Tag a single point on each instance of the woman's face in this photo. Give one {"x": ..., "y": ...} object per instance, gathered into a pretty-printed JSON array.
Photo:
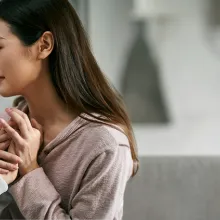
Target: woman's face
[{"x": 19, "y": 66}]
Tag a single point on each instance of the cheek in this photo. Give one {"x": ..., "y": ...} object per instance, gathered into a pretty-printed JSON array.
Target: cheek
[
  {"x": 19, "y": 71},
  {"x": 10, "y": 61}
]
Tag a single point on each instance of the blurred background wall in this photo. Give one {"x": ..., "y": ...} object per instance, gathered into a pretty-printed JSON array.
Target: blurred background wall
[
  {"x": 189, "y": 69},
  {"x": 188, "y": 65}
]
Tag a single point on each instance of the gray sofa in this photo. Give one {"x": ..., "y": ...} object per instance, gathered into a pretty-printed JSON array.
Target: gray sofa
[{"x": 174, "y": 188}]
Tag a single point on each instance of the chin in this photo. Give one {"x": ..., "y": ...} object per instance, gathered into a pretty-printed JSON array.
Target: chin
[
  {"x": 7, "y": 94},
  {"x": 7, "y": 90}
]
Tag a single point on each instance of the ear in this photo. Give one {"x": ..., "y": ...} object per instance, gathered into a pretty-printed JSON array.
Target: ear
[{"x": 45, "y": 45}]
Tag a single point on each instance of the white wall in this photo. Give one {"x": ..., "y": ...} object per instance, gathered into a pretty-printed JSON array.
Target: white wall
[
  {"x": 5, "y": 103},
  {"x": 189, "y": 69},
  {"x": 110, "y": 34}
]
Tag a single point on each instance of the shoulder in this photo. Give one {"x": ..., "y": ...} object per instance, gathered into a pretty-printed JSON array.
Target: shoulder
[
  {"x": 94, "y": 140},
  {"x": 107, "y": 148},
  {"x": 99, "y": 147},
  {"x": 104, "y": 137}
]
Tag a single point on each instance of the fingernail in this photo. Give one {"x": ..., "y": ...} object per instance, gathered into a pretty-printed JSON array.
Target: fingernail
[{"x": 8, "y": 110}]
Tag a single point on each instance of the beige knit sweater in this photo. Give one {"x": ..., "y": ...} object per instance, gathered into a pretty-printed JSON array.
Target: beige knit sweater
[{"x": 83, "y": 174}]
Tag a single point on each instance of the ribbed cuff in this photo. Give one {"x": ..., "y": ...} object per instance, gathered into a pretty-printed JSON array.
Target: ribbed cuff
[{"x": 3, "y": 186}]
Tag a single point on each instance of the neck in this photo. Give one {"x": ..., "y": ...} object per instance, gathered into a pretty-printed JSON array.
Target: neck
[{"x": 45, "y": 105}]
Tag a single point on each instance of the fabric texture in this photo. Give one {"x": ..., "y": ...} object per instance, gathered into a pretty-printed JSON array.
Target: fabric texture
[
  {"x": 83, "y": 174},
  {"x": 3, "y": 186}
]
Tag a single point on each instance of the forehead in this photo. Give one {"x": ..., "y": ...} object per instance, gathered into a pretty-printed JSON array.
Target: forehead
[{"x": 5, "y": 32}]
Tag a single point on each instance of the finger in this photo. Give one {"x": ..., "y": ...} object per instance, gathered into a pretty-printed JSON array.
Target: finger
[
  {"x": 2, "y": 131},
  {"x": 3, "y": 171},
  {"x": 20, "y": 122},
  {"x": 5, "y": 116},
  {"x": 9, "y": 157},
  {"x": 4, "y": 137},
  {"x": 5, "y": 145},
  {"x": 12, "y": 123},
  {"x": 12, "y": 133},
  {"x": 8, "y": 166},
  {"x": 24, "y": 116}
]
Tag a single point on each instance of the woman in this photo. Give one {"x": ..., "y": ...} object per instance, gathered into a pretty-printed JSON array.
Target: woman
[{"x": 72, "y": 135}]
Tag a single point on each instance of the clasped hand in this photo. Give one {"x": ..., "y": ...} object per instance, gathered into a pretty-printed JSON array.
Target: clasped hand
[{"x": 22, "y": 138}]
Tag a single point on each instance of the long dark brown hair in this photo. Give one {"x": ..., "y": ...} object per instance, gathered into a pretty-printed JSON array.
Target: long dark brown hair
[{"x": 75, "y": 74}]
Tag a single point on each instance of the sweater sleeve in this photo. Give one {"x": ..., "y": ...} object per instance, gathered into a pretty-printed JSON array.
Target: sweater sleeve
[
  {"x": 3, "y": 186},
  {"x": 100, "y": 195}
]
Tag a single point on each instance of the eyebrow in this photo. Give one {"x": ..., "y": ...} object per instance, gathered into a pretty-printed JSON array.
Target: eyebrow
[{"x": 2, "y": 38}]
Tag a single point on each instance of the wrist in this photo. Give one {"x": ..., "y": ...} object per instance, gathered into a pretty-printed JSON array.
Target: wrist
[{"x": 27, "y": 170}]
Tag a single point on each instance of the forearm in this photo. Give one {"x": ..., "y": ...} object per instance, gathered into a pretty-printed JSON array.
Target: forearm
[{"x": 40, "y": 199}]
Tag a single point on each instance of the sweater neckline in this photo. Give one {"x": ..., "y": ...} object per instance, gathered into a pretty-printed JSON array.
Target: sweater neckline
[{"x": 64, "y": 133}]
